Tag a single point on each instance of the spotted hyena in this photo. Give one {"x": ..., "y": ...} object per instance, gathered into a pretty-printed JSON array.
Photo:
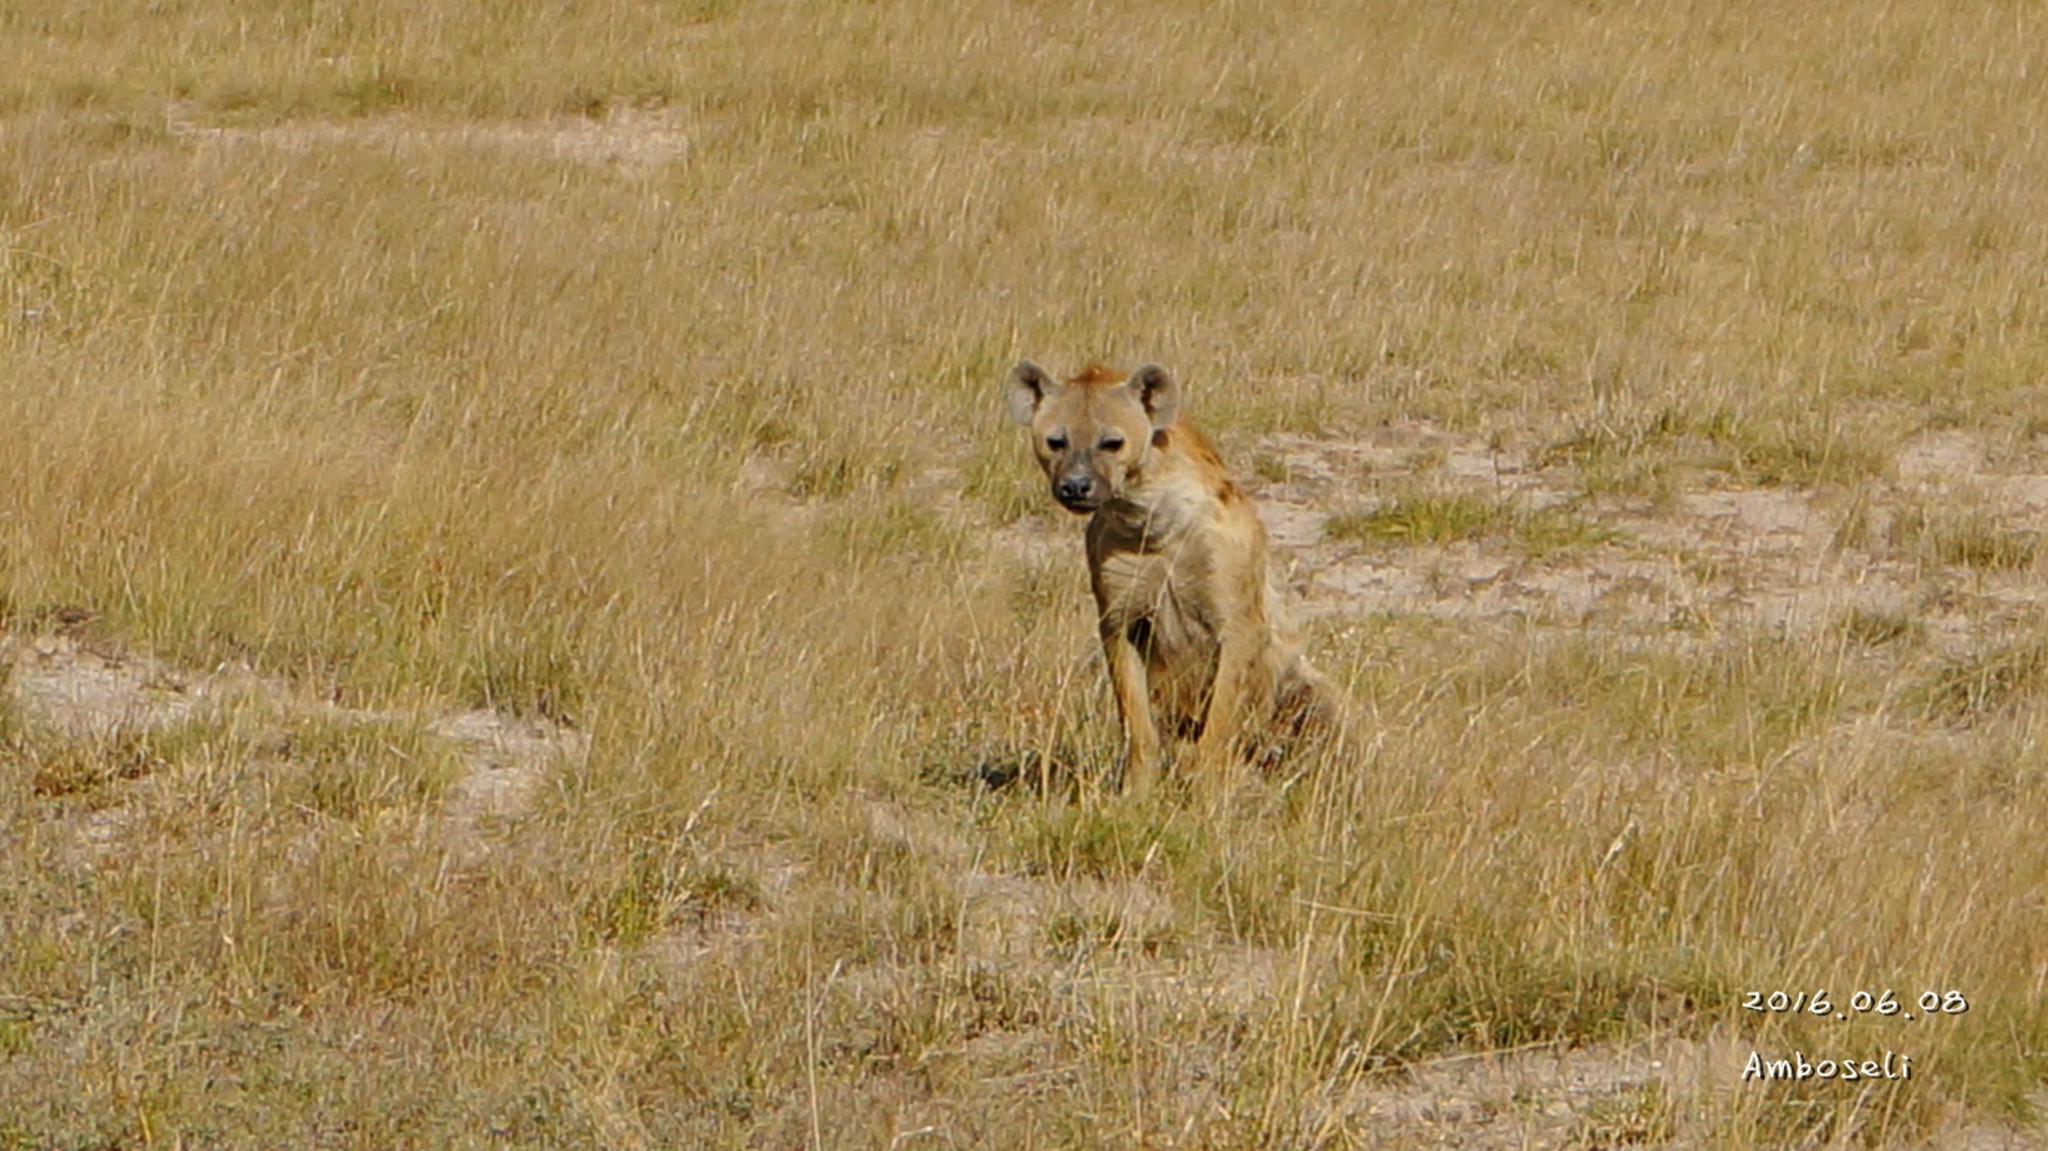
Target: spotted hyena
[{"x": 1197, "y": 641}]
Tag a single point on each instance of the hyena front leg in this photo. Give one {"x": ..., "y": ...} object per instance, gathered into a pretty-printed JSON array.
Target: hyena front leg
[
  {"x": 1223, "y": 722},
  {"x": 1128, "y": 676}
]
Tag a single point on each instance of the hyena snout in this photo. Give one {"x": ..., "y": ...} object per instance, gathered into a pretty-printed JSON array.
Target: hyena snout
[{"x": 1077, "y": 491}]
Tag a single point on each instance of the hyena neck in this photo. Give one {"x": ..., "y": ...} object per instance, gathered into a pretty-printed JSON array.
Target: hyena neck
[
  {"x": 1122, "y": 525},
  {"x": 1151, "y": 509},
  {"x": 1144, "y": 488},
  {"x": 1180, "y": 457}
]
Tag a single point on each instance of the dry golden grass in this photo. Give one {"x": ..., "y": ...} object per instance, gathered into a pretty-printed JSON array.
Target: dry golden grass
[{"x": 373, "y": 376}]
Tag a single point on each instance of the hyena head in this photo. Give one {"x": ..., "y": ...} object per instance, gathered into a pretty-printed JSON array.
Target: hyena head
[{"x": 1091, "y": 432}]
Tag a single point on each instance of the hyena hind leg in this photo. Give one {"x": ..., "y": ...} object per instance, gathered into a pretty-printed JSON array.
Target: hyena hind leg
[{"x": 1310, "y": 715}]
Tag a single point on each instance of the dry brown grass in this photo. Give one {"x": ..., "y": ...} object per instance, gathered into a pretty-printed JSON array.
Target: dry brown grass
[{"x": 629, "y": 372}]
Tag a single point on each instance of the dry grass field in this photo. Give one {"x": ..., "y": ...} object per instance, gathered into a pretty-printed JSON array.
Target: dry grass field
[{"x": 523, "y": 623}]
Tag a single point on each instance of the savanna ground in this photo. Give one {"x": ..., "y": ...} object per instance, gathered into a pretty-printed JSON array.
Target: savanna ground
[{"x": 524, "y": 626}]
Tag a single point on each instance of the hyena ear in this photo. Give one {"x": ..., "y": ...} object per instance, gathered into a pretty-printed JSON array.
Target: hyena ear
[
  {"x": 1158, "y": 391},
  {"x": 1028, "y": 387}
]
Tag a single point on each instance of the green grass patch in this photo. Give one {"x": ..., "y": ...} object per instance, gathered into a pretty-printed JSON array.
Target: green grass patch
[
  {"x": 1989, "y": 682},
  {"x": 662, "y": 885},
  {"x": 1444, "y": 519},
  {"x": 351, "y": 768},
  {"x": 83, "y": 766},
  {"x": 1874, "y": 627},
  {"x": 1100, "y": 841},
  {"x": 1966, "y": 538},
  {"x": 1646, "y": 453}
]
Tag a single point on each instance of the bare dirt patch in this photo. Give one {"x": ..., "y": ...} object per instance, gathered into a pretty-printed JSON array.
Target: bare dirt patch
[{"x": 86, "y": 691}]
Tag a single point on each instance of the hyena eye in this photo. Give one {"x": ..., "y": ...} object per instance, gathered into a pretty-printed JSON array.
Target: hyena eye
[
  {"x": 1056, "y": 443},
  {"x": 1112, "y": 443}
]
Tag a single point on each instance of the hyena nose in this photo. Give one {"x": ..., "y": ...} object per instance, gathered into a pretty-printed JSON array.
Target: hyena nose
[{"x": 1075, "y": 489}]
